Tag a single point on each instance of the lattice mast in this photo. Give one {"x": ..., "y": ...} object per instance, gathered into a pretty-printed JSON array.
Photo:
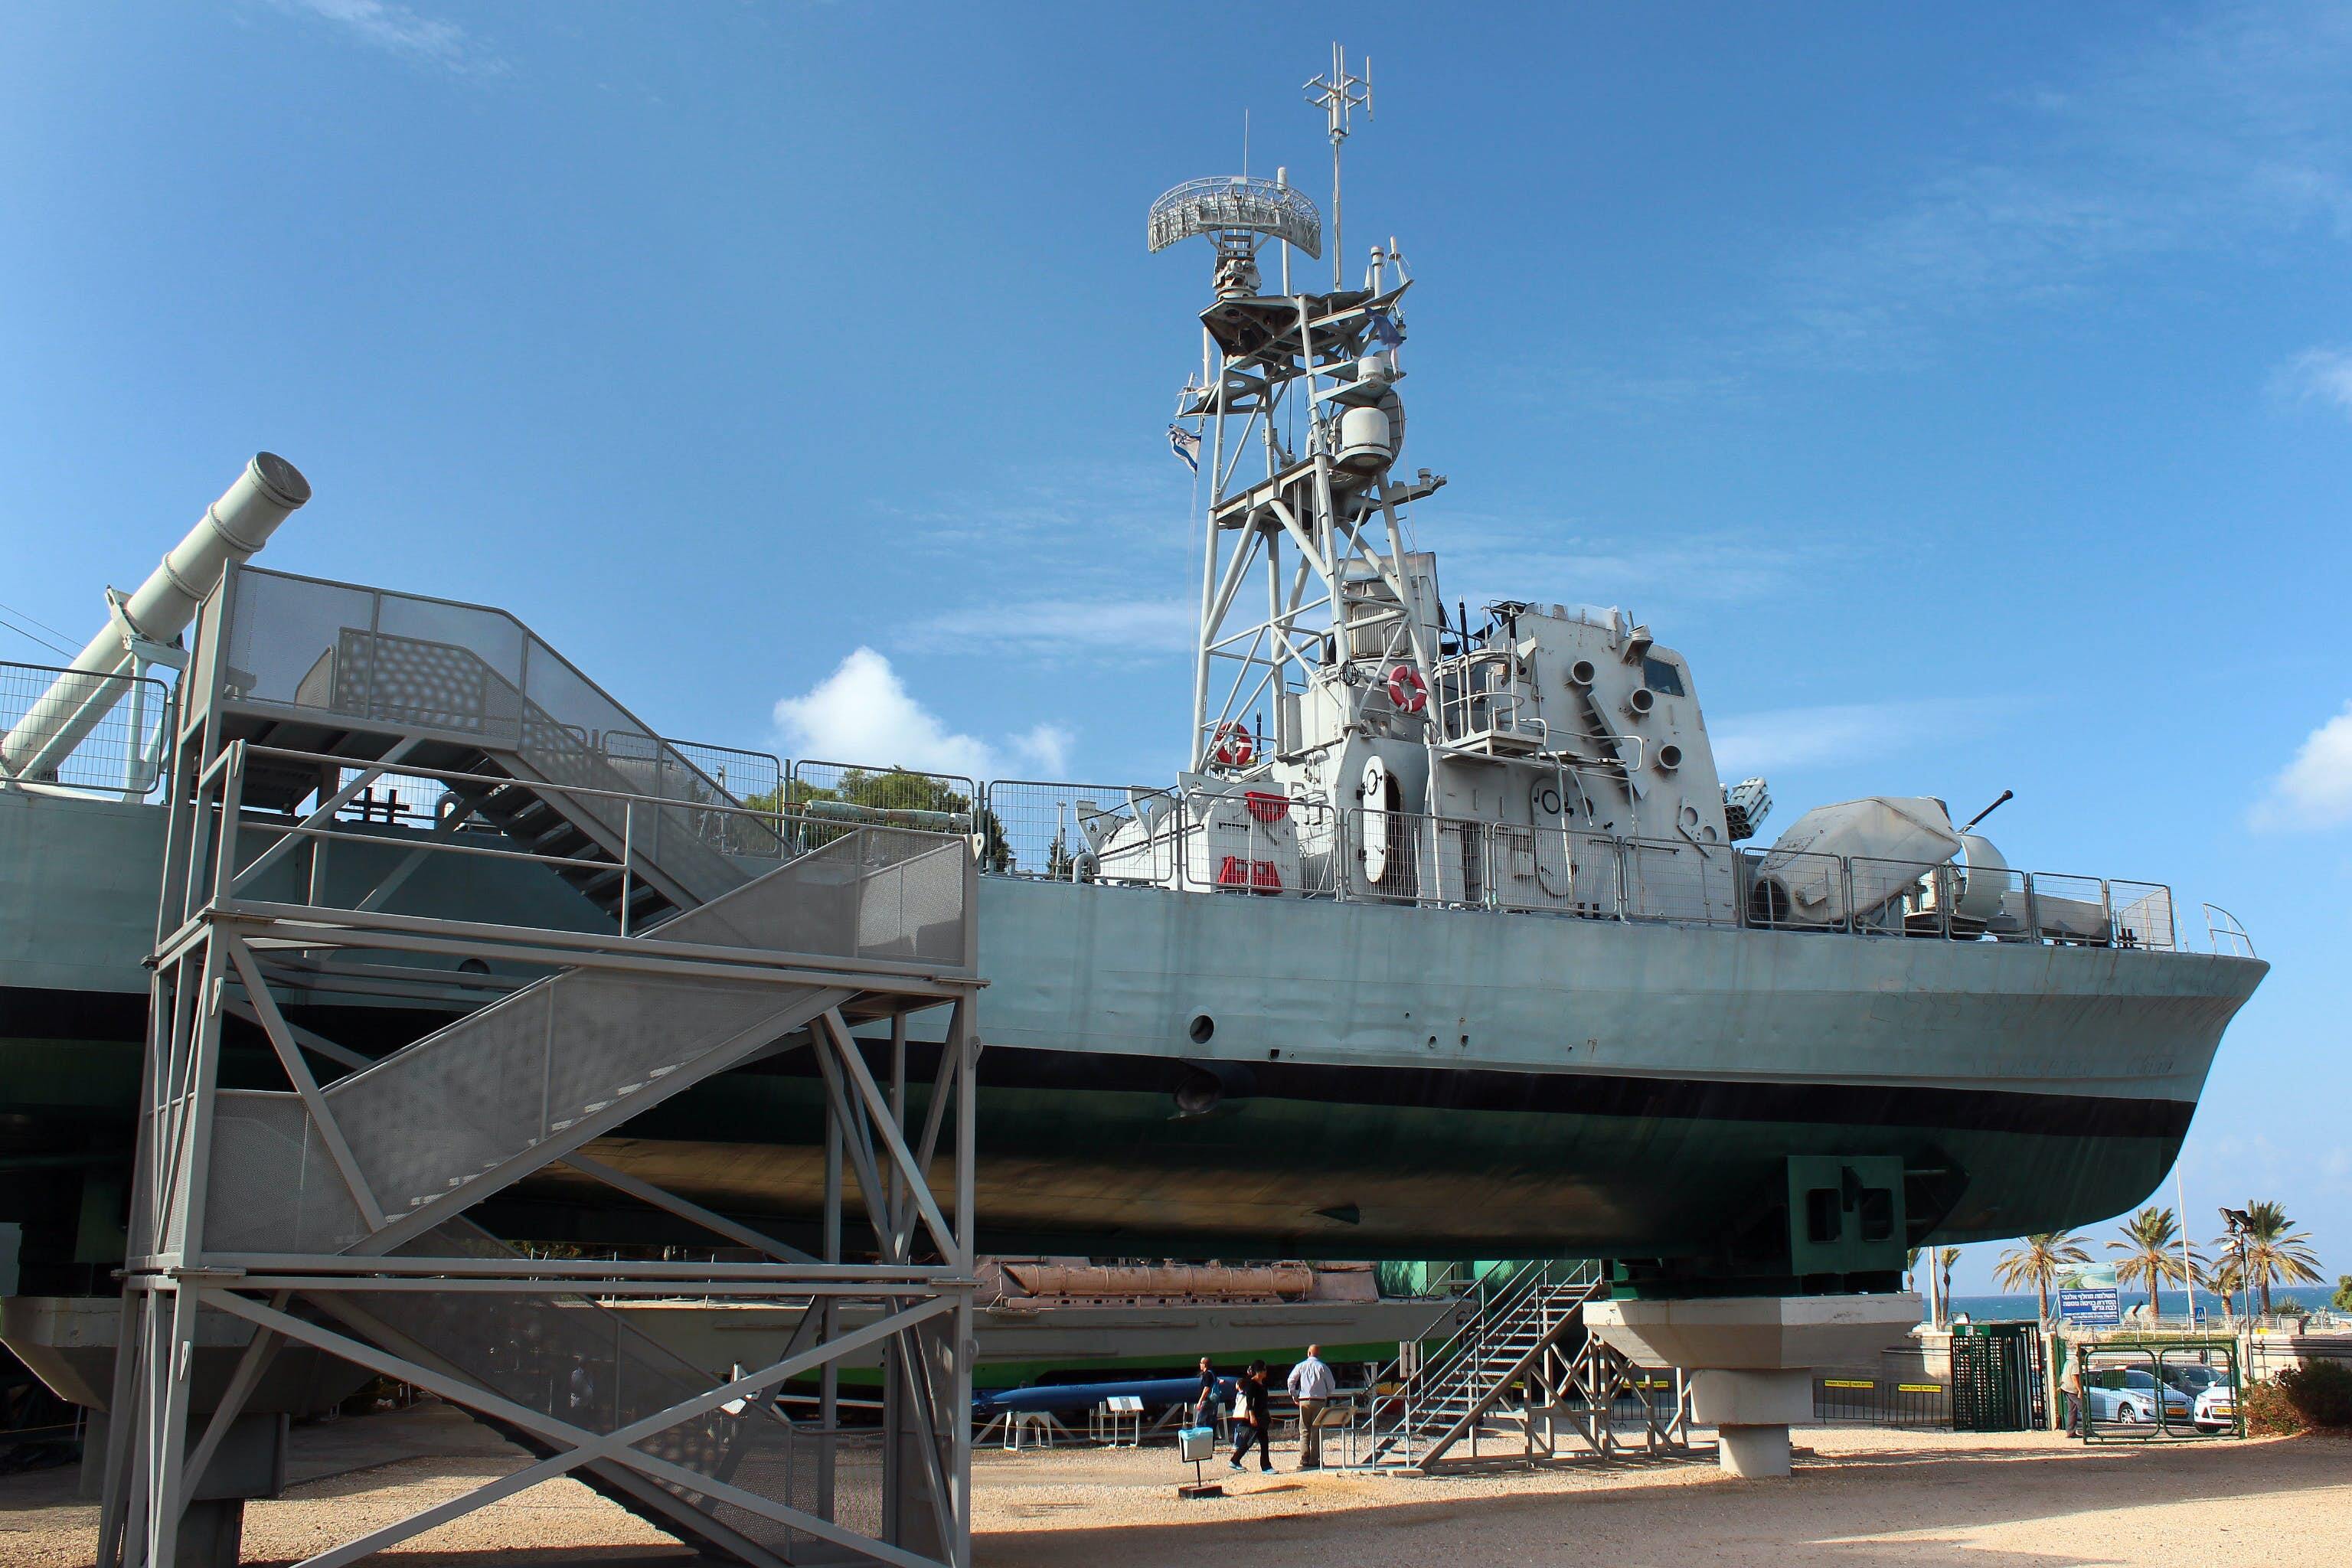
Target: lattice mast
[{"x": 1295, "y": 425}]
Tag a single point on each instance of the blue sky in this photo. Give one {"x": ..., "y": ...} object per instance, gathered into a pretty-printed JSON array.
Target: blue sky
[{"x": 1968, "y": 392}]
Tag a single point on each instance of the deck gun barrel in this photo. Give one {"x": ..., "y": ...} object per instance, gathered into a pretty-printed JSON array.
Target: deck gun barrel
[{"x": 231, "y": 530}]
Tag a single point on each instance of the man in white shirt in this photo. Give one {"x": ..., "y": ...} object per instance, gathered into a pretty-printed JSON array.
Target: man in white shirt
[{"x": 1311, "y": 1385}]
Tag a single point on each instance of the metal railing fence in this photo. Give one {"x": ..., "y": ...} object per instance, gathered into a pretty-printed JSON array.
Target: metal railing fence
[
  {"x": 1048, "y": 831},
  {"x": 1393, "y": 857},
  {"x": 252, "y": 856},
  {"x": 125, "y": 751},
  {"x": 2224, "y": 934},
  {"x": 828, "y": 799},
  {"x": 1882, "y": 1401}
]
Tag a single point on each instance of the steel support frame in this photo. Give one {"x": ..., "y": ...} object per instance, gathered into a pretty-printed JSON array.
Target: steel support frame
[{"x": 210, "y": 964}]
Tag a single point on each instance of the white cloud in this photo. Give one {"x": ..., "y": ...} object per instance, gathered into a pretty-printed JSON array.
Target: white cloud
[
  {"x": 2321, "y": 373},
  {"x": 1836, "y": 734},
  {"x": 864, "y": 713},
  {"x": 397, "y": 29},
  {"x": 1047, "y": 749},
  {"x": 2316, "y": 789}
]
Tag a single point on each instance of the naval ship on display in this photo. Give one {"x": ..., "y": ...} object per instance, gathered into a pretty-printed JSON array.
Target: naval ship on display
[
  {"x": 1450, "y": 943},
  {"x": 379, "y": 995}
]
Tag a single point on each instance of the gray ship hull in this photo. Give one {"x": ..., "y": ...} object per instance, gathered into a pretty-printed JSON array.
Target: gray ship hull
[{"x": 1368, "y": 1082}]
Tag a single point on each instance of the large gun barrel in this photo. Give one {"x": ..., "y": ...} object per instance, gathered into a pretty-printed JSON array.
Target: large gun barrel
[{"x": 231, "y": 530}]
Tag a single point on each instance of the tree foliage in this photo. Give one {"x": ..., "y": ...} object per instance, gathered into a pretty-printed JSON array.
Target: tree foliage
[
  {"x": 2152, "y": 1253},
  {"x": 2044, "y": 1257},
  {"x": 2267, "y": 1250}
]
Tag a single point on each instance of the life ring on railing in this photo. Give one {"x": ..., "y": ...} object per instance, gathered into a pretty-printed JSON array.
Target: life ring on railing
[
  {"x": 1233, "y": 746},
  {"x": 1407, "y": 689}
]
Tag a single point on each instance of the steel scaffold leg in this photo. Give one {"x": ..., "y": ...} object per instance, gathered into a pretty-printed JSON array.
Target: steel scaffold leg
[{"x": 368, "y": 1225}]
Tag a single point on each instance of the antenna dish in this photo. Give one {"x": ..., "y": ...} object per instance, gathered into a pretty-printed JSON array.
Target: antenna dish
[{"x": 1235, "y": 204}]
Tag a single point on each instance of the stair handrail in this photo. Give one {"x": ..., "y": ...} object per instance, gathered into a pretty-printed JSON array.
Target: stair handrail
[
  {"x": 533, "y": 645},
  {"x": 1504, "y": 1292},
  {"x": 1529, "y": 1287},
  {"x": 1499, "y": 1371}
]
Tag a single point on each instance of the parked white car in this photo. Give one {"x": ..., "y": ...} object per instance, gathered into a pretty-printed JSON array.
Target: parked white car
[{"x": 2217, "y": 1407}]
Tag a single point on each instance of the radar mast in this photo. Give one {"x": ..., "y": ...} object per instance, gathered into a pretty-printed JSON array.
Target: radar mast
[{"x": 1295, "y": 423}]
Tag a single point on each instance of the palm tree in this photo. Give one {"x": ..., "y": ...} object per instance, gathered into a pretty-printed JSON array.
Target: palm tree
[
  {"x": 2267, "y": 1250},
  {"x": 2152, "y": 1252},
  {"x": 1942, "y": 1261},
  {"x": 2038, "y": 1263}
]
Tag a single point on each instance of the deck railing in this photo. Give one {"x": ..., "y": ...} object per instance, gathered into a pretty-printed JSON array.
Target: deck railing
[{"x": 1241, "y": 844}]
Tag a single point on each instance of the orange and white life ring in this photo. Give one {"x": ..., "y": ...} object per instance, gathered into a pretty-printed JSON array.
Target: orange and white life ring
[
  {"x": 1407, "y": 689},
  {"x": 1232, "y": 747}
]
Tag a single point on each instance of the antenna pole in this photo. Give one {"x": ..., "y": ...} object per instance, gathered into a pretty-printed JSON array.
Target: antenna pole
[{"x": 1339, "y": 95}]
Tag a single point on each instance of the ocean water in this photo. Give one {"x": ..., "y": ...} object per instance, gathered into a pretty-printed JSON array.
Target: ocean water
[{"x": 2171, "y": 1304}]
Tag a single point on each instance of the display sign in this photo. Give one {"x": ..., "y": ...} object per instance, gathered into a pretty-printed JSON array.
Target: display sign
[{"x": 2094, "y": 1307}]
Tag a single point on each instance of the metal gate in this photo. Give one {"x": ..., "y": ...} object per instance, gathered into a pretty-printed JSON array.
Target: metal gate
[{"x": 1997, "y": 1378}]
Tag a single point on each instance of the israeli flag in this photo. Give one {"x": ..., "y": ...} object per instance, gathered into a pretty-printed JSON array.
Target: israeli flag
[
  {"x": 1185, "y": 445},
  {"x": 1384, "y": 331}
]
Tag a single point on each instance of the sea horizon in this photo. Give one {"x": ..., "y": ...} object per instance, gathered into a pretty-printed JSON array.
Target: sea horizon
[{"x": 2168, "y": 1303}]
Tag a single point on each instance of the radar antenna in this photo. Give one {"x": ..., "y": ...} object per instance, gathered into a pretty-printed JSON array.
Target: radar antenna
[
  {"x": 1339, "y": 95},
  {"x": 1307, "y": 382}
]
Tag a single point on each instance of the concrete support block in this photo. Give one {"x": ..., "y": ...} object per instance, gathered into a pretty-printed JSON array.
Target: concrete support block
[
  {"x": 1750, "y": 1358},
  {"x": 1720, "y": 1398},
  {"x": 1753, "y": 1452}
]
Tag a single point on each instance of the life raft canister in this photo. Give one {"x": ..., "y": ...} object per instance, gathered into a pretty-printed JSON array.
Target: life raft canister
[
  {"x": 1407, "y": 689},
  {"x": 1232, "y": 747}
]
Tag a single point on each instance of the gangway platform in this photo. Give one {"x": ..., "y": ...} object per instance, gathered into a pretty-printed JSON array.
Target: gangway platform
[{"x": 338, "y": 1208}]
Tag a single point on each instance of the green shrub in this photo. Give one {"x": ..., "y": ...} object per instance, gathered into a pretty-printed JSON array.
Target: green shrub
[
  {"x": 2269, "y": 1412},
  {"x": 2316, "y": 1394},
  {"x": 2322, "y": 1392}
]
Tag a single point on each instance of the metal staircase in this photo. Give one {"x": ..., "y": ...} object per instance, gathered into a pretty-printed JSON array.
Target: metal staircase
[
  {"x": 534, "y": 747},
  {"x": 337, "y": 1210},
  {"x": 1441, "y": 1392}
]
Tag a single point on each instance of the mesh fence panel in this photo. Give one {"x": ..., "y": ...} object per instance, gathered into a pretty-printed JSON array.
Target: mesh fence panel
[
  {"x": 2143, "y": 915},
  {"x": 1050, "y": 830},
  {"x": 1679, "y": 881},
  {"x": 831, "y": 799},
  {"x": 876, "y": 892},
  {"x": 493, "y": 1084},
  {"x": 2071, "y": 908},
  {"x": 1256, "y": 841},
  {"x": 1885, "y": 894},
  {"x": 273, "y": 1186},
  {"x": 409, "y": 662},
  {"x": 1796, "y": 888},
  {"x": 122, "y": 749}
]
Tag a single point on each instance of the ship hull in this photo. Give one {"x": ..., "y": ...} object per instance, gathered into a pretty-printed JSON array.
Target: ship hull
[
  {"x": 1385, "y": 1081},
  {"x": 1404, "y": 1083}
]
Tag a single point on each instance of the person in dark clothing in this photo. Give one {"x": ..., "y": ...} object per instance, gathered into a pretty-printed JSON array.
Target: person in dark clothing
[
  {"x": 1204, "y": 1404},
  {"x": 1254, "y": 1422}
]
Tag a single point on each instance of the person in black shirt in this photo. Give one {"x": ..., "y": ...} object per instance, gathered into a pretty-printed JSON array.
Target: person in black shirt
[
  {"x": 1254, "y": 1422},
  {"x": 1204, "y": 1404}
]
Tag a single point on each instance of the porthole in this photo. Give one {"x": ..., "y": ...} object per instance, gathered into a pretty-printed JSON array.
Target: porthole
[{"x": 1203, "y": 1027}]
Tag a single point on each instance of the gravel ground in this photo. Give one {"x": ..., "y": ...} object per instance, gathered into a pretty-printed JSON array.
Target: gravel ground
[{"x": 1862, "y": 1496}]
